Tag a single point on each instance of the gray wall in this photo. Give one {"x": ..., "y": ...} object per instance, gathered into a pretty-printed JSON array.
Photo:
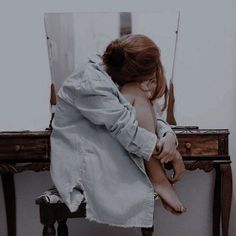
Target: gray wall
[{"x": 205, "y": 95}]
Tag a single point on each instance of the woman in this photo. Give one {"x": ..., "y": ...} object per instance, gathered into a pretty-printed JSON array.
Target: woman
[
  {"x": 98, "y": 148},
  {"x": 134, "y": 62}
]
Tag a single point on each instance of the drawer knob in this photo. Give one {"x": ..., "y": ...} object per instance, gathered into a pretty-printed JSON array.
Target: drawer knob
[
  {"x": 17, "y": 148},
  {"x": 188, "y": 145}
]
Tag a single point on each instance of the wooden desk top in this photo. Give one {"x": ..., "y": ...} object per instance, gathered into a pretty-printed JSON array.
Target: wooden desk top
[{"x": 194, "y": 144}]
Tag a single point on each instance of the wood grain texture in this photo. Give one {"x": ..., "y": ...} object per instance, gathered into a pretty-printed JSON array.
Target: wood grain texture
[
  {"x": 24, "y": 146},
  {"x": 198, "y": 145}
]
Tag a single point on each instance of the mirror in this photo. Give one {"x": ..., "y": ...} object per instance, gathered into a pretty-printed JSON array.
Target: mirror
[{"x": 71, "y": 37}]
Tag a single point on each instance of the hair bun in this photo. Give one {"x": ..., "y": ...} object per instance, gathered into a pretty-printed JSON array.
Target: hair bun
[{"x": 114, "y": 55}]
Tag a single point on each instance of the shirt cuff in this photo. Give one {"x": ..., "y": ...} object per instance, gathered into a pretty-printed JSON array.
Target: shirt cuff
[{"x": 148, "y": 149}]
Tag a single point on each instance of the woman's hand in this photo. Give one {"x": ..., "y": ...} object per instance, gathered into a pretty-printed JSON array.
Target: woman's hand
[
  {"x": 166, "y": 151},
  {"x": 178, "y": 168},
  {"x": 166, "y": 148}
]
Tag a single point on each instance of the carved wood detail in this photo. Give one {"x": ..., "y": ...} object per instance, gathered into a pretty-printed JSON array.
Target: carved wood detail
[
  {"x": 206, "y": 166},
  {"x": 11, "y": 168}
]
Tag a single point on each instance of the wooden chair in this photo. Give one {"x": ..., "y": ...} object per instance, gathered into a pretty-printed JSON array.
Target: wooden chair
[{"x": 52, "y": 210}]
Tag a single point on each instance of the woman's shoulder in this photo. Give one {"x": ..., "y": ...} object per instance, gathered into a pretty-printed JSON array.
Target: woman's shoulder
[{"x": 131, "y": 91}]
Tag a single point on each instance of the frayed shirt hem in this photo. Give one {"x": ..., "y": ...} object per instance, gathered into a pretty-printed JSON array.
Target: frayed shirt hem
[{"x": 148, "y": 207}]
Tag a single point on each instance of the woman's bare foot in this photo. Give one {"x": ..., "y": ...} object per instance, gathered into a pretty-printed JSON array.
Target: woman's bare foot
[
  {"x": 168, "y": 208},
  {"x": 168, "y": 196}
]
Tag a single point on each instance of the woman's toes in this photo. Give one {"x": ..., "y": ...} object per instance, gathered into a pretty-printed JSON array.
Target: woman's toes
[
  {"x": 184, "y": 209},
  {"x": 179, "y": 209}
]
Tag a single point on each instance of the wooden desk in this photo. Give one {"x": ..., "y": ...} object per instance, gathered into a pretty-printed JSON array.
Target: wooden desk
[{"x": 201, "y": 149}]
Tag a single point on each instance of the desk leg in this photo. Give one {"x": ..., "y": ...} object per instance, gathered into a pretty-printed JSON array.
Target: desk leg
[
  {"x": 147, "y": 231},
  {"x": 217, "y": 202},
  {"x": 10, "y": 202},
  {"x": 226, "y": 196}
]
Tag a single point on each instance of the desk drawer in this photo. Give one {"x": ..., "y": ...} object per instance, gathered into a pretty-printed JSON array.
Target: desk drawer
[
  {"x": 199, "y": 145},
  {"x": 24, "y": 148}
]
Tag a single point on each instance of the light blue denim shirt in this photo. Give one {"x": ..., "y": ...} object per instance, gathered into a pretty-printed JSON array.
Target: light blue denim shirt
[{"x": 97, "y": 146}]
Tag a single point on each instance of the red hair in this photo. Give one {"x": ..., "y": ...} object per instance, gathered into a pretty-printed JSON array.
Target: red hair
[{"x": 136, "y": 58}]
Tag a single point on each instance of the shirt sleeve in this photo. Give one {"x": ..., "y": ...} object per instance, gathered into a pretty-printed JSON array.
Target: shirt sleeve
[
  {"x": 163, "y": 128},
  {"x": 99, "y": 103}
]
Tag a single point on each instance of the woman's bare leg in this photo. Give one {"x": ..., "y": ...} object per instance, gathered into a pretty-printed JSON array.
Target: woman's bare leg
[
  {"x": 154, "y": 168},
  {"x": 162, "y": 185}
]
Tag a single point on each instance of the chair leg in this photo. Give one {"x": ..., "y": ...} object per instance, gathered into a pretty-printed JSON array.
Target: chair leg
[
  {"x": 147, "y": 231},
  {"x": 49, "y": 230},
  {"x": 47, "y": 219},
  {"x": 62, "y": 229}
]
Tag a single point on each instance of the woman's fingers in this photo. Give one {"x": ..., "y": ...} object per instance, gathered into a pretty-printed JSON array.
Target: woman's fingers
[
  {"x": 167, "y": 149},
  {"x": 178, "y": 168},
  {"x": 167, "y": 155},
  {"x": 164, "y": 153},
  {"x": 167, "y": 158},
  {"x": 176, "y": 177},
  {"x": 158, "y": 148}
]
